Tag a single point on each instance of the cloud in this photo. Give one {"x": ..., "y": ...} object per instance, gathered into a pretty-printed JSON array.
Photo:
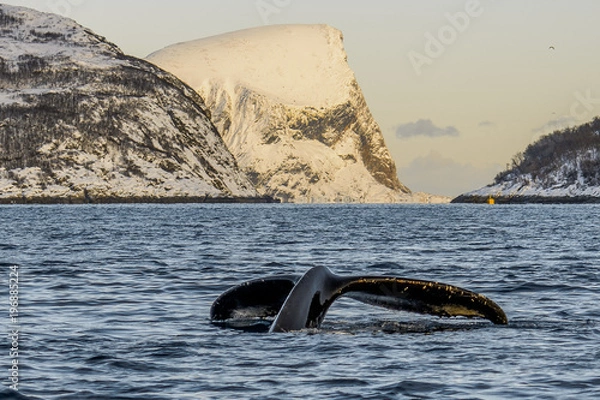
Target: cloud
[
  {"x": 484, "y": 124},
  {"x": 440, "y": 175},
  {"x": 424, "y": 127}
]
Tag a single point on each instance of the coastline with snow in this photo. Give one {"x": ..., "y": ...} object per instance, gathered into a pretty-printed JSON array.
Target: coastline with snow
[
  {"x": 46, "y": 200},
  {"x": 537, "y": 194},
  {"x": 271, "y": 114},
  {"x": 82, "y": 122},
  {"x": 561, "y": 167}
]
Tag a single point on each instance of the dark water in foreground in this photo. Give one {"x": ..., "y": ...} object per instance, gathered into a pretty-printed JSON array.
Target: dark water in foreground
[{"x": 114, "y": 302}]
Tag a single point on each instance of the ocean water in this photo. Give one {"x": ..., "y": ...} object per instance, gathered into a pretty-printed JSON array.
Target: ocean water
[{"x": 114, "y": 300}]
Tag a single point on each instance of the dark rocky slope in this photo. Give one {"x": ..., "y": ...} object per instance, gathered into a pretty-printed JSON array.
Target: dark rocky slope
[{"x": 80, "y": 121}]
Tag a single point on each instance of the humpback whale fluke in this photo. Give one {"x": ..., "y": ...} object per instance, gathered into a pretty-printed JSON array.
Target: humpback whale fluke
[{"x": 299, "y": 302}]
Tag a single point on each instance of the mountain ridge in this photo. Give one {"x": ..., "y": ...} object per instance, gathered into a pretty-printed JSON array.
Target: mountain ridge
[{"x": 82, "y": 122}]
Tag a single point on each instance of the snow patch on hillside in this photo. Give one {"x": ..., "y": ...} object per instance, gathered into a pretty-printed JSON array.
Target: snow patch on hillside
[{"x": 45, "y": 35}]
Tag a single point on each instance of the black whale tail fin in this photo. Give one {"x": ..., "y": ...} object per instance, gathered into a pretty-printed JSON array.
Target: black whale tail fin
[
  {"x": 424, "y": 297},
  {"x": 313, "y": 294},
  {"x": 302, "y": 302},
  {"x": 258, "y": 298}
]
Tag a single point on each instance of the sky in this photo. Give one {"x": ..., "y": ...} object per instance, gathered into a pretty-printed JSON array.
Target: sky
[{"x": 457, "y": 86}]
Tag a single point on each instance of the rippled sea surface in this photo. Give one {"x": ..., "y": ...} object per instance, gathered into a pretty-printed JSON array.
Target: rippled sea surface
[{"x": 114, "y": 302}]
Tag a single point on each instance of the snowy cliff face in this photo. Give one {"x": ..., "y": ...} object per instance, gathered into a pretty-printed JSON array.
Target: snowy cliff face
[
  {"x": 290, "y": 110},
  {"x": 80, "y": 121}
]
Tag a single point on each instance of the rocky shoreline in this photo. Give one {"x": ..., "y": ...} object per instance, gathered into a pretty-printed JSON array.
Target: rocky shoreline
[
  {"x": 472, "y": 199},
  {"x": 139, "y": 200}
]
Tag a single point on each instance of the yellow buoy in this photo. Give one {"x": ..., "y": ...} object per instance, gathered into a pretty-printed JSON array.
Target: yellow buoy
[{"x": 491, "y": 200}]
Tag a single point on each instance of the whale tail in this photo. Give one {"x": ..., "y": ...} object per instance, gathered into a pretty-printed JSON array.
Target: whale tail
[
  {"x": 299, "y": 302},
  {"x": 249, "y": 306}
]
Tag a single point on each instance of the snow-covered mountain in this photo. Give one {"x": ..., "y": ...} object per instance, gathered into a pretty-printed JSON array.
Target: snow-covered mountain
[
  {"x": 563, "y": 167},
  {"x": 81, "y": 121},
  {"x": 290, "y": 110}
]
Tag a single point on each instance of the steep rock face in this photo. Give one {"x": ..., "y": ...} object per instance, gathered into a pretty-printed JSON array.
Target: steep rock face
[
  {"x": 291, "y": 111},
  {"x": 563, "y": 167},
  {"x": 81, "y": 121}
]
